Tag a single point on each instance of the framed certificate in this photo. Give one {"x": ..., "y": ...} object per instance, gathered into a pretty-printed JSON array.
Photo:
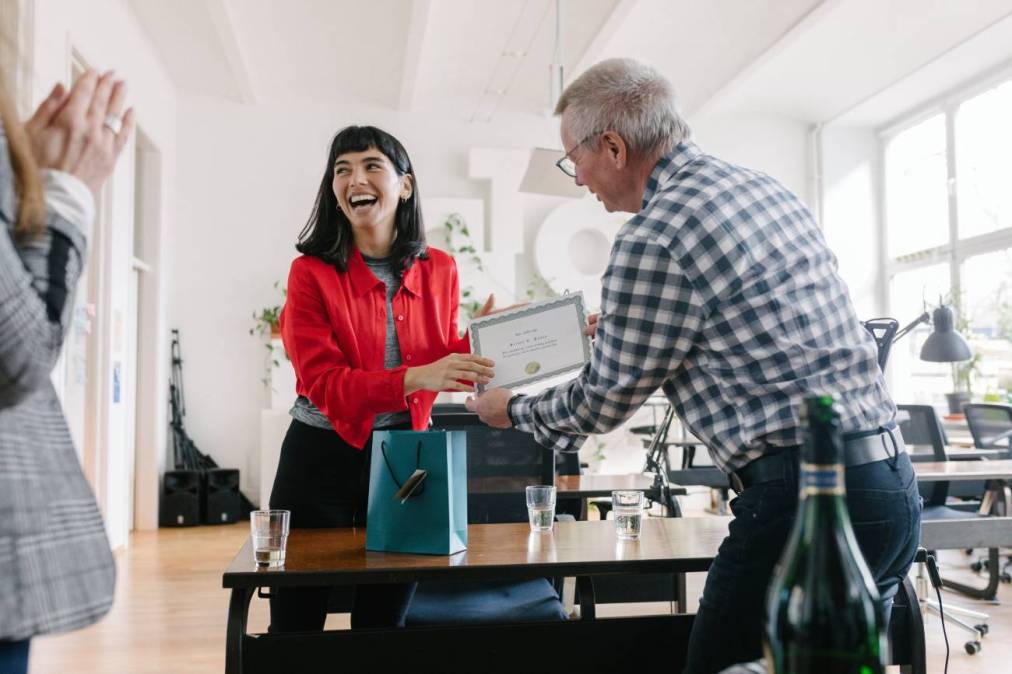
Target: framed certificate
[{"x": 533, "y": 342}]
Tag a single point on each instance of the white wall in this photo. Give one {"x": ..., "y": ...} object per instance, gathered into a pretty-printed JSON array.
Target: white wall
[
  {"x": 773, "y": 144},
  {"x": 850, "y": 174},
  {"x": 106, "y": 34}
]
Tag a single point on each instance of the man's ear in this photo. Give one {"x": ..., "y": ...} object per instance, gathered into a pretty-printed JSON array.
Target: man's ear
[{"x": 615, "y": 148}]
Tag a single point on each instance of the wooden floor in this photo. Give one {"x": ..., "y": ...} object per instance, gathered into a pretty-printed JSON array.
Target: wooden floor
[{"x": 170, "y": 609}]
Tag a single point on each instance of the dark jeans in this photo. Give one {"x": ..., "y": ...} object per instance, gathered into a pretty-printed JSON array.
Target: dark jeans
[
  {"x": 324, "y": 482},
  {"x": 885, "y": 509},
  {"x": 14, "y": 656}
]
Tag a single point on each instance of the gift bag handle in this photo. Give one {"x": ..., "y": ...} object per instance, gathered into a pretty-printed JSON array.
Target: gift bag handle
[{"x": 390, "y": 469}]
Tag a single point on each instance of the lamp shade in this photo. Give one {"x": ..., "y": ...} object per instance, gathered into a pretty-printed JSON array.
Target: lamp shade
[{"x": 944, "y": 344}]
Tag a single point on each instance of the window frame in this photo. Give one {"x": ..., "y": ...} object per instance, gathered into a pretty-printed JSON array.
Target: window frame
[{"x": 956, "y": 250}]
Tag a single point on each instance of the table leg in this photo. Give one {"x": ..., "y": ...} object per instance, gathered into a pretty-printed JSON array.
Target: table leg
[
  {"x": 986, "y": 503},
  {"x": 681, "y": 593},
  {"x": 670, "y": 502},
  {"x": 235, "y": 632},
  {"x": 588, "y": 609}
]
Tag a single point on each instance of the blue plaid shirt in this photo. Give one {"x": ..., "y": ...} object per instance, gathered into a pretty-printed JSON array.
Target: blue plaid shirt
[{"x": 722, "y": 292}]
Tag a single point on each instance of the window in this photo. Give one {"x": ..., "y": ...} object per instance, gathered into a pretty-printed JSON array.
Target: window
[
  {"x": 983, "y": 147},
  {"x": 916, "y": 204},
  {"x": 987, "y": 311},
  {"x": 948, "y": 219},
  {"x": 912, "y": 379}
]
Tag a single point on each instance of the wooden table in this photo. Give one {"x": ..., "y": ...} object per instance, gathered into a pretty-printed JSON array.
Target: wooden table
[
  {"x": 571, "y": 486},
  {"x": 956, "y": 453},
  {"x": 325, "y": 557},
  {"x": 948, "y": 471},
  {"x": 597, "y": 486},
  {"x": 591, "y": 486},
  {"x": 995, "y": 474}
]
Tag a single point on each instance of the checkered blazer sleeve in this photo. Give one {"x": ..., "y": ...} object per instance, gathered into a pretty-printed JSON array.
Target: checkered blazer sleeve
[{"x": 37, "y": 281}]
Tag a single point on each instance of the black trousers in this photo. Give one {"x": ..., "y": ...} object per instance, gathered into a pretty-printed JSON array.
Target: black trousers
[{"x": 324, "y": 482}]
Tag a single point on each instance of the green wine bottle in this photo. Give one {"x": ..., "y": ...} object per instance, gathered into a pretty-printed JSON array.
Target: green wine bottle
[{"x": 821, "y": 608}]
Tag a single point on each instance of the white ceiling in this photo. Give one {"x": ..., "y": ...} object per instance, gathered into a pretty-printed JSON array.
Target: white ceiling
[
  {"x": 853, "y": 49},
  {"x": 476, "y": 60}
]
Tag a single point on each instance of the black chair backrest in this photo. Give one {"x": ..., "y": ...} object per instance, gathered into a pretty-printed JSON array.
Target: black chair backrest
[
  {"x": 512, "y": 455},
  {"x": 925, "y": 439},
  {"x": 883, "y": 330},
  {"x": 990, "y": 424}
]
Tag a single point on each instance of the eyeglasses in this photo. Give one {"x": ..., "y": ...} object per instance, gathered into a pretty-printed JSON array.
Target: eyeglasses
[{"x": 566, "y": 164}]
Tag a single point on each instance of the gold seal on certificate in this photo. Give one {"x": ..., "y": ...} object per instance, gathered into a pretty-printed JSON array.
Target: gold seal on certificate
[{"x": 533, "y": 342}]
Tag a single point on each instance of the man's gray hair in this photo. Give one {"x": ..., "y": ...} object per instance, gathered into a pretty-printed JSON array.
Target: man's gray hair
[{"x": 629, "y": 98}]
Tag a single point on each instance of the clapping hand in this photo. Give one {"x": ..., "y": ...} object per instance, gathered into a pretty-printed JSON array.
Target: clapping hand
[{"x": 83, "y": 131}]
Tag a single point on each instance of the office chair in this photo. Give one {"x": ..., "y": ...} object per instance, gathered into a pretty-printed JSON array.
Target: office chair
[
  {"x": 513, "y": 460},
  {"x": 990, "y": 425},
  {"x": 920, "y": 428}
]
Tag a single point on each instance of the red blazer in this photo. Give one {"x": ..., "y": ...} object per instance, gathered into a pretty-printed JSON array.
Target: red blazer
[{"x": 334, "y": 329}]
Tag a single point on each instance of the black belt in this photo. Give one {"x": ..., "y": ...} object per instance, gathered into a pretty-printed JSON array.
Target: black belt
[{"x": 858, "y": 449}]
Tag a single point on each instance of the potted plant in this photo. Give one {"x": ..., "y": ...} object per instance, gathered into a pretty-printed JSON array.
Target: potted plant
[
  {"x": 962, "y": 383},
  {"x": 963, "y": 372},
  {"x": 267, "y": 326}
]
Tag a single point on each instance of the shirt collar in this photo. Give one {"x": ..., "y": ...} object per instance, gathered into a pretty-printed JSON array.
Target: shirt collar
[
  {"x": 667, "y": 166},
  {"x": 363, "y": 280}
]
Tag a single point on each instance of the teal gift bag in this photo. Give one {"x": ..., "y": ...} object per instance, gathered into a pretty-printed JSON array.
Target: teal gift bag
[{"x": 431, "y": 518}]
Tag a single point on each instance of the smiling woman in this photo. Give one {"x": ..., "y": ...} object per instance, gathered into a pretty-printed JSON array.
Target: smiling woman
[{"x": 370, "y": 324}]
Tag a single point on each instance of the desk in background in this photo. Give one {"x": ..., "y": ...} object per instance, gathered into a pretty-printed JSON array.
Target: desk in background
[
  {"x": 960, "y": 453},
  {"x": 973, "y": 532},
  {"x": 996, "y": 475}
]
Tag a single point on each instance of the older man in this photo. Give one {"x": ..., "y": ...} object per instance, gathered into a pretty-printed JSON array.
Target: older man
[{"x": 721, "y": 291}]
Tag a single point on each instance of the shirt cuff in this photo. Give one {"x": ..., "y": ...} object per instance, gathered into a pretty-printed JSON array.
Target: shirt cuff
[
  {"x": 509, "y": 408},
  {"x": 520, "y": 413},
  {"x": 69, "y": 198}
]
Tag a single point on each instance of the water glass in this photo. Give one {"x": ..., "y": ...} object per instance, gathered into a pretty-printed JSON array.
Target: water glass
[
  {"x": 541, "y": 507},
  {"x": 269, "y": 531},
  {"x": 628, "y": 509}
]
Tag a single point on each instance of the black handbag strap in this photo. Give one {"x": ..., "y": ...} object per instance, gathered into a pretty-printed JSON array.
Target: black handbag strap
[{"x": 390, "y": 468}]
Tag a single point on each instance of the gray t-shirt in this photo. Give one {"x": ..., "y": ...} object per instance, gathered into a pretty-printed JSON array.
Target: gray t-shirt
[{"x": 306, "y": 412}]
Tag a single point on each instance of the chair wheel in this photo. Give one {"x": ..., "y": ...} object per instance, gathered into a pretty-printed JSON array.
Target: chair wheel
[
  {"x": 982, "y": 628},
  {"x": 977, "y": 567},
  {"x": 972, "y": 647}
]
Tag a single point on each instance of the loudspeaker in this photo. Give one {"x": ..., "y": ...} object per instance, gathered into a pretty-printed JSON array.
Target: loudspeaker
[
  {"x": 182, "y": 495},
  {"x": 223, "y": 503}
]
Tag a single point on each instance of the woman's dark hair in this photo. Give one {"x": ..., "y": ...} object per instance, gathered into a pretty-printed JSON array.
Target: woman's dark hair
[{"x": 327, "y": 234}]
